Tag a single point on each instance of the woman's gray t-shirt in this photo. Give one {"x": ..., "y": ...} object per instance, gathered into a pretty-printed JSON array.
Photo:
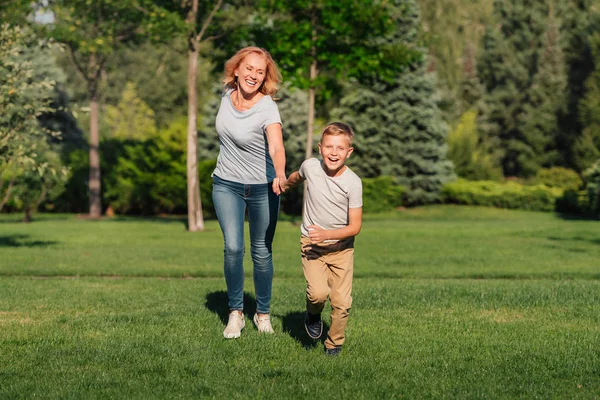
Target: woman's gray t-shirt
[{"x": 244, "y": 151}]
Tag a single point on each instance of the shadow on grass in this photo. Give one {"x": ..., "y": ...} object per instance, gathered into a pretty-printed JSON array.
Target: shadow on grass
[
  {"x": 217, "y": 302},
  {"x": 14, "y": 218},
  {"x": 21, "y": 241},
  {"x": 163, "y": 219},
  {"x": 574, "y": 239},
  {"x": 577, "y": 217},
  {"x": 293, "y": 325}
]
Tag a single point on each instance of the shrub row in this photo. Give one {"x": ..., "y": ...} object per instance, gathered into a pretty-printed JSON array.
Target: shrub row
[{"x": 501, "y": 194}]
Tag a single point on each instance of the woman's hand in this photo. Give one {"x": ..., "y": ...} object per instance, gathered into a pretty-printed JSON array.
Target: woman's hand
[{"x": 279, "y": 184}]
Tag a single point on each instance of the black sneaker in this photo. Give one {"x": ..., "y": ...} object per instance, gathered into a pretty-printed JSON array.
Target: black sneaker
[
  {"x": 313, "y": 325},
  {"x": 335, "y": 351}
]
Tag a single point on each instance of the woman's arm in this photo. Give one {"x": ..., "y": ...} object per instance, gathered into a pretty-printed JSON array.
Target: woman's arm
[{"x": 277, "y": 153}]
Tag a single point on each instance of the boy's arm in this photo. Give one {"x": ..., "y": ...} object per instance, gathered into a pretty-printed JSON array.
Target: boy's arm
[
  {"x": 318, "y": 234},
  {"x": 293, "y": 180}
]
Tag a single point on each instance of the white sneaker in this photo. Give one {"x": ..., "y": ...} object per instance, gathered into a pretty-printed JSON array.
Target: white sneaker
[
  {"x": 234, "y": 327},
  {"x": 263, "y": 323}
]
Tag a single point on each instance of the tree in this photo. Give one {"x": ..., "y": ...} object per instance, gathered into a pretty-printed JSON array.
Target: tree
[
  {"x": 587, "y": 145},
  {"x": 313, "y": 41},
  {"x": 29, "y": 168},
  {"x": 205, "y": 21},
  {"x": 544, "y": 103},
  {"x": 400, "y": 130},
  {"x": 195, "y": 218},
  {"x": 470, "y": 90},
  {"x": 131, "y": 118},
  {"x": 470, "y": 157},
  {"x": 91, "y": 31}
]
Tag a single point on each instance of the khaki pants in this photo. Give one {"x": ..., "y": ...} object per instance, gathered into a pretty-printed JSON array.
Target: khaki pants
[{"x": 328, "y": 271}]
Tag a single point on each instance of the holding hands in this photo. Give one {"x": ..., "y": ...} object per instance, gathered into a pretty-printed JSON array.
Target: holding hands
[{"x": 280, "y": 184}]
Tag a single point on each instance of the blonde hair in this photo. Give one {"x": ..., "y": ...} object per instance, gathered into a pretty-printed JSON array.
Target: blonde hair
[
  {"x": 338, "y": 128},
  {"x": 270, "y": 85}
]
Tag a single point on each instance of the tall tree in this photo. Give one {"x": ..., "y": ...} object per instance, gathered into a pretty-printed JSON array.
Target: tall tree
[
  {"x": 196, "y": 37},
  {"x": 400, "y": 130},
  {"x": 131, "y": 118},
  {"x": 470, "y": 90},
  {"x": 587, "y": 145},
  {"x": 544, "y": 103},
  {"x": 206, "y": 21},
  {"x": 314, "y": 41},
  {"x": 91, "y": 31},
  {"x": 30, "y": 168},
  {"x": 509, "y": 60}
]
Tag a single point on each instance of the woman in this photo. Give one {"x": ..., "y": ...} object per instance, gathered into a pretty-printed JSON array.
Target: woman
[{"x": 250, "y": 175}]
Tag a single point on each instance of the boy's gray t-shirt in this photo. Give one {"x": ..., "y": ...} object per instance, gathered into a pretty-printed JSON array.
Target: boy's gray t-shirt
[
  {"x": 328, "y": 199},
  {"x": 244, "y": 151}
]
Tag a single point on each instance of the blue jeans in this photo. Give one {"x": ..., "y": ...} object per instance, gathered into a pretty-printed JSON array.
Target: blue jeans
[{"x": 231, "y": 199}]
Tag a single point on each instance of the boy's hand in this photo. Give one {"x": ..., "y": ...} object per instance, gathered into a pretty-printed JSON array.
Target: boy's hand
[{"x": 317, "y": 234}]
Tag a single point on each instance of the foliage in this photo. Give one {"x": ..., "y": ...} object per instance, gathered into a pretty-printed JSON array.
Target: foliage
[
  {"x": 452, "y": 28},
  {"x": 587, "y": 145},
  {"x": 74, "y": 198},
  {"x": 471, "y": 161},
  {"x": 544, "y": 104},
  {"x": 558, "y": 177},
  {"x": 592, "y": 179},
  {"x": 509, "y": 194},
  {"x": 470, "y": 91},
  {"x": 131, "y": 118},
  {"x": 41, "y": 185},
  {"x": 381, "y": 194},
  {"x": 509, "y": 59},
  {"x": 205, "y": 170},
  {"x": 151, "y": 175},
  {"x": 29, "y": 168},
  {"x": 399, "y": 126},
  {"x": 159, "y": 73},
  {"x": 343, "y": 37},
  {"x": 91, "y": 32}
]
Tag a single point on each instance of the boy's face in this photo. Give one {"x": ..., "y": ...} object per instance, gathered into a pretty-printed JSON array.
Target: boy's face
[{"x": 334, "y": 149}]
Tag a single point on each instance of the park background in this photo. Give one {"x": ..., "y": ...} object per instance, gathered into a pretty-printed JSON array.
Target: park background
[{"x": 478, "y": 141}]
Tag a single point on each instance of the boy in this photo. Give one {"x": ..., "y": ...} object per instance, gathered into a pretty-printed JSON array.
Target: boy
[{"x": 332, "y": 217}]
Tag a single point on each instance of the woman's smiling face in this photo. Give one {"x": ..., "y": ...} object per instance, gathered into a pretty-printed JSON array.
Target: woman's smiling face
[{"x": 251, "y": 73}]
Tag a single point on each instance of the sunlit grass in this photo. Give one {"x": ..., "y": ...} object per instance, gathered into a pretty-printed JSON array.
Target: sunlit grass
[{"x": 451, "y": 302}]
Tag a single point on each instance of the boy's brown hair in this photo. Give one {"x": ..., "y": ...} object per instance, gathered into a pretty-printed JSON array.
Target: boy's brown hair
[{"x": 338, "y": 128}]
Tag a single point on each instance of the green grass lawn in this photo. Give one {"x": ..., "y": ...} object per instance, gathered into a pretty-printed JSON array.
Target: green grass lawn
[{"x": 449, "y": 302}]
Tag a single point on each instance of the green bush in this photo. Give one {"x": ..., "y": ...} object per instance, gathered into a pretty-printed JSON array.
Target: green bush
[
  {"x": 592, "y": 179},
  {"x": 559, "y": 177},
  {"x": 585, "y": 201},
  {"x": 511, "y": 195},
  {"x": 381, "y": 194}
]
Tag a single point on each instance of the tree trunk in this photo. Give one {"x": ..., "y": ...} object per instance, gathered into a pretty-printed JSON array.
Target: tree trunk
[
  {"x": 311, "y": 95},
  {"x": 28, "y": 217},
  {"x": 195, "y": 219},
  {"x": 94, "y": 183},
  {"x": 6, "y": 194},
  {"x": 311, "y": 108},
  {"x": 311, "y": 111}
]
